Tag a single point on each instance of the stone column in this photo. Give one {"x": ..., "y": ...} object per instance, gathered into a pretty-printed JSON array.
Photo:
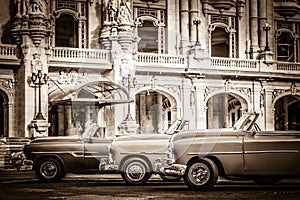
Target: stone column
[
  {"x": 61, "y": 120},
  {"x": 87, "y": 117},
  {"x": 262, "y": 22},
  {"x": 257, "y": 103},
  {"x": 68, "y": 120},
  {"x": 225, "y": 111},
  {"x": 254, "y": 28},
  {"x": 193, "y": 16},
  {"x": 143, "y": 114},
  {"x": 173, "y": 26},
  {"x": 269, "y": 110},
  {"x": 184, "y": 26},
  {"x": 210, "y": 113},
  {"x": 159, "y": 119},
  {"x": 286, "y": 113},
  {"x": 200, "y": 104}
]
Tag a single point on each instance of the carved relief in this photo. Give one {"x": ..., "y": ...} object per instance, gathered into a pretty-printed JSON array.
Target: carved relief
[
  {"x": 7, "y": 84},
  {"x": 72, "y": 78}
]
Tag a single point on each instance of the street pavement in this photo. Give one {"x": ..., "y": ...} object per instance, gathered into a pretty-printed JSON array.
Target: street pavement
[{"x": 24, "y": 185}]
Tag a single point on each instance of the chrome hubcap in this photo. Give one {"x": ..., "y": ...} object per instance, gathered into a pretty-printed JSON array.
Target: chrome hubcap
[
  {"x": 135, "y": 171},
  {"x": 48, "y": 169},
  {"x": 200, "y": 173}
]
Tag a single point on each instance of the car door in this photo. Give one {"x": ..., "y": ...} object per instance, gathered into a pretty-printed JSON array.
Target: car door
[
  {"x": 95, "y": 148},
  {"x": 270, "y": 153}
]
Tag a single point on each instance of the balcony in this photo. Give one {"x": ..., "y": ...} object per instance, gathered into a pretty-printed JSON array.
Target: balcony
[
  {"x": 159, "y": 62},
  {"x": 87, "y": 58},
  {"x": 8, "y": 55},
  {"x": 147, "y": 62}
]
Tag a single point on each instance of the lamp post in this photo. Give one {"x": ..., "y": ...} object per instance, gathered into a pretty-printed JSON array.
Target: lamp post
[
  {"x": 197, "y": 22},
  {"x": 267, "y": 28},
  {"x": 130, "y": 82},
  {"x": 39, "y": 79}
]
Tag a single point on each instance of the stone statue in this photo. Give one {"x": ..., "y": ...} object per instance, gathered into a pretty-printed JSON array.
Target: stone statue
[
  {"x": 124, "y": 13},
  {"x": 38, "y": 6},
  {"x": 105, "y": 10},
  {"x": 26, "y": 7},
  {"x": 113, "y": 9}
]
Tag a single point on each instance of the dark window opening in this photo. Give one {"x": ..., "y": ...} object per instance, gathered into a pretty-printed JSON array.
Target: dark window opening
[
  {"x": 285, "y": 47},
  {"x": 1, "y": 116},
  {"x": 149, "y": 38},
  {"x": 219, "y": 43},
  {"x": 66, "y": 32}
]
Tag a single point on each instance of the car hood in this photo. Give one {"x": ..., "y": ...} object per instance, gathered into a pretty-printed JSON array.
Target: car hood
[
  {"x": 57, "y": 139},
  {"x": 207, "y": 133},
  {"x": 142, "y": 137},
  {"x": 140, "y": 143}
]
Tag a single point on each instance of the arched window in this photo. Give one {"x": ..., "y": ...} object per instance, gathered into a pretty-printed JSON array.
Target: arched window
[
  {"x": 285, "y": 47},
  {"x": 1, "y": 116},
  {"x": 219, "y": 43},
  {"x": 149, "y": 37},
  {"x": 66, "y": 31}
]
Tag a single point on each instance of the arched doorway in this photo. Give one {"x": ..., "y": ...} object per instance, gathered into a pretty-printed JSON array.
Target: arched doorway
[
  {"x": 155, "y": 111},
  {"x": 224, "y": 109},
  {"x": 74, "y": 108},
  {"x": 1, "y": 116},
  {"x": 287, "y": 113},
  {"x": 4, "y": 115}
]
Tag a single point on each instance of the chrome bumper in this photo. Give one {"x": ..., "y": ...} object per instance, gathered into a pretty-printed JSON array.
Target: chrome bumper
[
  {"x": 106, "y": 165},
  {"x": 19, "y": 161},
  {"x": 169, "y": 169}
]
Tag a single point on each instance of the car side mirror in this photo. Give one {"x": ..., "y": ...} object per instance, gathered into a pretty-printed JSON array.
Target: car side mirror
[{"x": 253, "y": 133}]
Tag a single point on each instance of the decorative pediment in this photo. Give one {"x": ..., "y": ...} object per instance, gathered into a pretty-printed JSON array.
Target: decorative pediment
[
  {"x": 287, "y": 8},
  {"x": 222, "y": 4}
]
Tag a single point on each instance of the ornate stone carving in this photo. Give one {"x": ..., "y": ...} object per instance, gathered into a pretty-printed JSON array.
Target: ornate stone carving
[
  {"x": 36, "y": 62},
  {"x": 7, "y": 84},
  {"x": 72, "y": 78},
  {"x": 118, "y": 24},
  {"x": 32, "y": 20}
]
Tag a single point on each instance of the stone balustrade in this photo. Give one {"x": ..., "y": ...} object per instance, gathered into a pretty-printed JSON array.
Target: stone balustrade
[
  {"x": 8, "y": 51},
  {"x": 60, "y": 54},
  {"x": 288, "y": 67},
  {"x": 234, "y": 64},
  {"x": 99, "y": 56},
  {"x": 159, "y": 59}
]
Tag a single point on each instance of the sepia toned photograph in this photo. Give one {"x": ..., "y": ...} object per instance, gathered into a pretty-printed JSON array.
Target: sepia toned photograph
[{"x": 149, "y": 99}]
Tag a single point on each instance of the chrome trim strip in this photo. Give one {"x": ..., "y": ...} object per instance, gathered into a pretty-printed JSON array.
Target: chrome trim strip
[
  {"x": 145, "y": 153},
  {"x": 272, "y": 151},
  {"x": 214, "y": 153}
]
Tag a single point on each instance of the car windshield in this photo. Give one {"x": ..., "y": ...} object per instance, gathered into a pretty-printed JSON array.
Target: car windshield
[
  {"x": 90, "y": 130},
  {"x": 178, "y": 125},
  {"x": 245, "y": 122}
]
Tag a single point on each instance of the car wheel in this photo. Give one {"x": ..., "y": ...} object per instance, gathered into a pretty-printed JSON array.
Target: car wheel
[
  {"x": 49, "y": 170},
  {"x": 170, "y": 178},
  {"x": 201, "y": 174},
  {"x": 135, "y": 171}
]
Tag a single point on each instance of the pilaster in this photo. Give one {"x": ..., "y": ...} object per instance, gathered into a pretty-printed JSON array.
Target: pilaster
[
  {"x": 268, "y": 109},
  {"x": 184, "y": 27}
]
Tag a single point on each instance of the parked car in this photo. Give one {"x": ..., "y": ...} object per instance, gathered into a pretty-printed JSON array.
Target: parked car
[
  {"x": 134, "y": 155},
  {"x": 53, "y": 157},
  {"x": 242, "y": 152}
]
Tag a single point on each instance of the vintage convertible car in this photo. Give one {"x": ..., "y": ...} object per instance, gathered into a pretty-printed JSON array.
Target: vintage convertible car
[
  {"x": 134, "y": 155},
  {"x": 242, "y": 152},
  {"x": 53, "y": 157}
]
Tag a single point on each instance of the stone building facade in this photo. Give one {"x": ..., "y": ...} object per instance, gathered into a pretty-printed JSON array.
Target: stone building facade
[{"x": 136, "y": 66}]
